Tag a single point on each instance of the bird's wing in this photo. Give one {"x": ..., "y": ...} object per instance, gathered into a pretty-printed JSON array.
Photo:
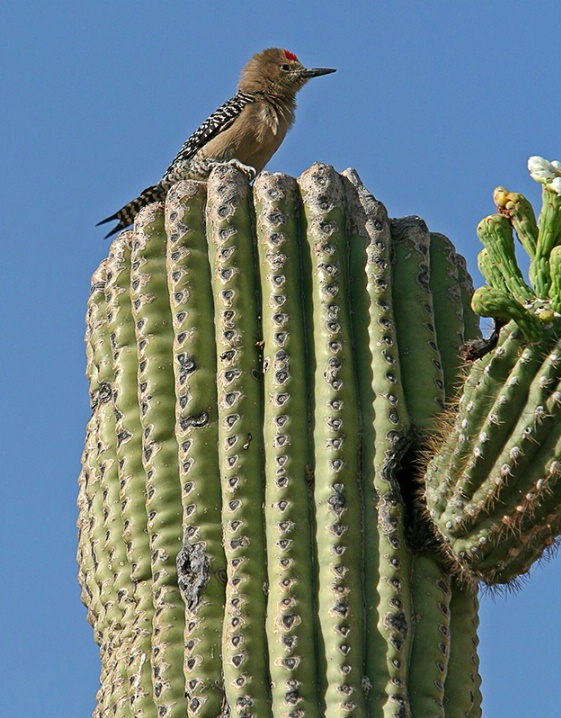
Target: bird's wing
[{"x": 215, "y": 123}]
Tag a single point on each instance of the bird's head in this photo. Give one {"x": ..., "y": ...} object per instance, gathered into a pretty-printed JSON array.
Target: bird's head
[{"x": 277, "y": 72}]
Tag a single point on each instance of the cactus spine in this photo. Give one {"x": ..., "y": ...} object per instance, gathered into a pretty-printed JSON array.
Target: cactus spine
[{"x": 266, "y": 367}]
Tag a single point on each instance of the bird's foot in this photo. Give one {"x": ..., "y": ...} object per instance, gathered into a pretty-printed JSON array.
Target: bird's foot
[{"x": 246, "y": 169}]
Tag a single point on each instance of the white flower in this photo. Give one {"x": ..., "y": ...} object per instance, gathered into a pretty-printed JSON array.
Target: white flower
[
  {"x": 543, "y": 171},
  {"x": 556, "y": 185}
]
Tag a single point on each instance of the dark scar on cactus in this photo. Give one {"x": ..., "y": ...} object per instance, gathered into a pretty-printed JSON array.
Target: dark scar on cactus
[
  {"x": 193, "y": 571},
  {"x": 478, "y": 348}
]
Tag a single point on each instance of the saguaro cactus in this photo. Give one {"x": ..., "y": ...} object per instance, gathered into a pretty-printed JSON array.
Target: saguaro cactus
[{"x": 267, "y": 365}]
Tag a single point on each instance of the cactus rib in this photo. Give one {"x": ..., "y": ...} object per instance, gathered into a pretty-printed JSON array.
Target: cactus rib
[
  {"x": 414, "y": 317},
  {"x": 385, "y": 429},
  {"x": 132, "y": 477},
  {"x": 240, "y": 439},
  {"x": 291, "y": 623},
  {"x": 201, "y": 562},
  {"x": 152, "y": 316},
  {"x": 336, "y": 444}
]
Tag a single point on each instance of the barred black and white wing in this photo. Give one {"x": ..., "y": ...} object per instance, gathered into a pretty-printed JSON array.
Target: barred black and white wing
[{"x": 220, "y": 120}]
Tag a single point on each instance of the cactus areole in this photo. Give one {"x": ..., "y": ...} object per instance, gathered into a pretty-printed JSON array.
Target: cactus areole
[{"x": 292, "y": 482}]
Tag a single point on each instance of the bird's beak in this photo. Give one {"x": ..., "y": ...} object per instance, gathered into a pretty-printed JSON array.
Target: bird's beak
[{"x": 315, "y": 72}]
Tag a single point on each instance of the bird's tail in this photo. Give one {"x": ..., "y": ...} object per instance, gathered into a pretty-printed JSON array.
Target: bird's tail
[{"x": 126, "y": 214}]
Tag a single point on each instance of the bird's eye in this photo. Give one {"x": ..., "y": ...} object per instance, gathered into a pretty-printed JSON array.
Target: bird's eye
[{"x": 286, "y": 68}]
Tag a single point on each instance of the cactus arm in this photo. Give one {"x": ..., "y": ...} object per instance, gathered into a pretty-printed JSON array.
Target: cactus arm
[
  {"x": 385, "y": 426},
  {"x": 519, "y": 553},
  {"x": 495, "y": 233},
  {"x": 414, "y": 317},
  {"x": 480, "y": 390},
  {"x": 490, "y": 302},
  {"x": 448, "y": 313},
  {"x": 490, "y": 271},
  {"x": 290, "y": 613},
  {"x": 462, "y": 695},
  {"x": 503, "y": 441},
  {"x": 336, "y": 444},
  {"x": 150, "y": 304},
  {"x": 505, "y": 529},
  {"x": 132, "y": 477},
  {"x": 520, "y": 213},
  {"x": 549, "y": 236},
  {"x": 240, "y": 441},
  {"x": 201, "y": 562},
  {"x": 496, "y": 427},
  {"x": 430, "y": 646},
  {"x": 555, "y": 273}
]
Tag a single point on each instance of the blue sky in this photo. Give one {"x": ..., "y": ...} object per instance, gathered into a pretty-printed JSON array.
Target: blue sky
[{"x": 434, "y": 103}]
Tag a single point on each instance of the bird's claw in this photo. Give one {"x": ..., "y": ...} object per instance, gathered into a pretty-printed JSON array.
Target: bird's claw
[{"x": 246, "y": 169}]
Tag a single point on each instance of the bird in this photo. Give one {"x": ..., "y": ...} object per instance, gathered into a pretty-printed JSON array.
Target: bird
[{"x": 245, "y": 131}]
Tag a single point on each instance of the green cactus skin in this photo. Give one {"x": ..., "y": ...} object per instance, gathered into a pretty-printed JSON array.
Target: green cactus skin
[
  {"x": 414, "y": 316},
  {"x": 522, "y": 503},
  {"x": 519, "y": 553},
  {"x": 84, "y": 556},
  {"x": 132, "y": 477},
  {"x": 430, "y": 645},
  {"x": 487, "y": 447},
  {"x": 502, "y": 438},
  {"x": 520, "y": 213},
  {"x": 385, "y": 427},
  {"x": 472, "y": 329},
  {"x": 89, "y": 536},
  {"x": 430, "y": 581},
  {"x": 89, "y": 557},
  {"x": 111, "y": 565},
  {"x": 154, "y": 336},
  {"x": 549, "y": 236},
  {"x": 490, "y": 271},
  {"x": 199, "y": 452},
  {"x": 555, "y": 273},
  {"x": 240, "y": 395},
  {"x": 448, "y": 311},
  {"x": 489, "y": 518},
  {"x": 453, "y": 326},
  {"x": 482, "y": 383},
  {"x": 437, "y": 482},
  {"x": 101, "y": 585},
  {"x": 290, "y": 614},
  {"x": 114, "y": 547},
  {"x": 336, "y": 444},
  {"x": 202, "y": 562},
  {"x": 90, "y": 592},
  {"x": 495, "y": 233},
  {"x": 462, "y": 694},
  {"x": 490, "y": 302}
]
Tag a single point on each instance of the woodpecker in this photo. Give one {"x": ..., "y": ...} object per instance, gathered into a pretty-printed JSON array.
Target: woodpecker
[{"x": 246, "y": 130}]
